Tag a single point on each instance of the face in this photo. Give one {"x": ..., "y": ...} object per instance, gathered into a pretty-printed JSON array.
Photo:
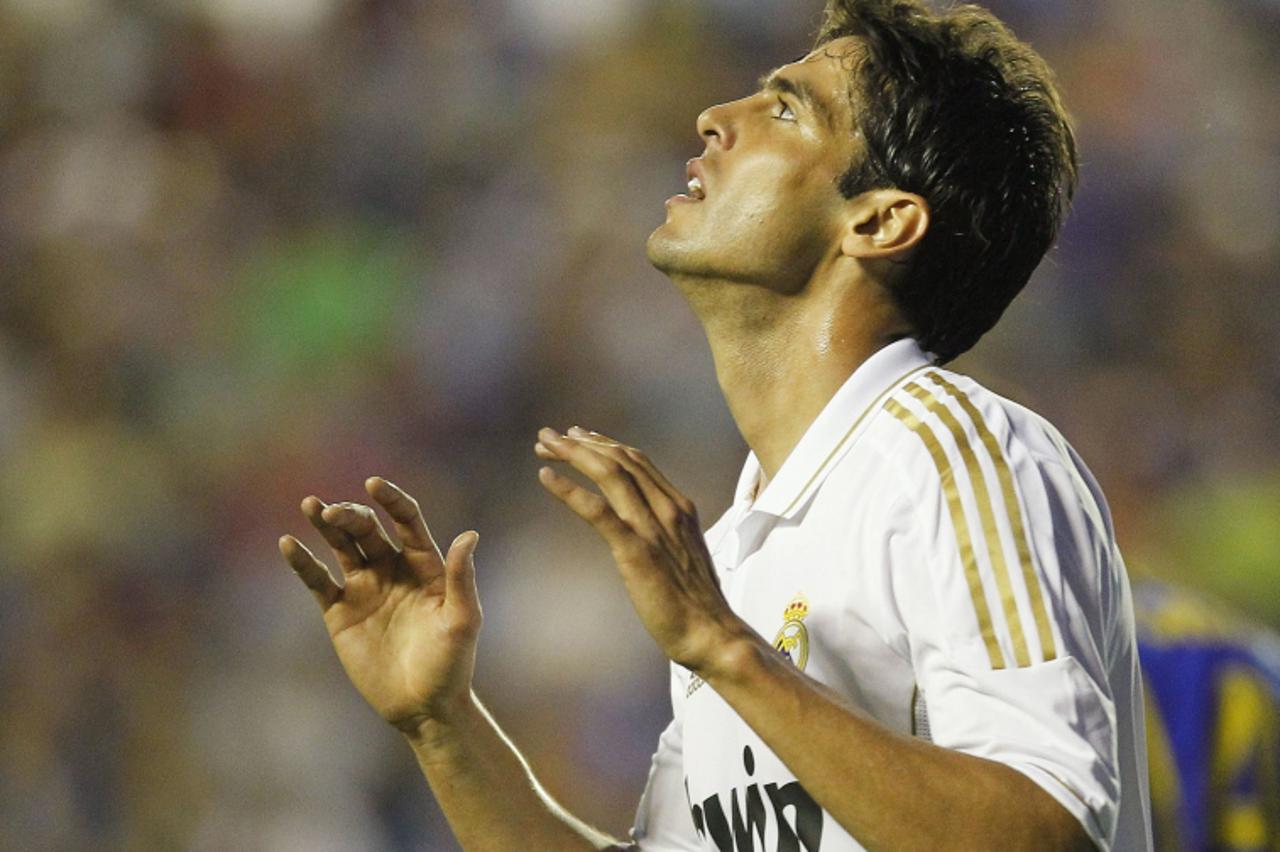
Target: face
[{"x": 768, "y": 209}]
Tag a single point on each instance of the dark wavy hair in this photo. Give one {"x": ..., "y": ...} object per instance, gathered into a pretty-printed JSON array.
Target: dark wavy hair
[{"x": 952, "y": 107}]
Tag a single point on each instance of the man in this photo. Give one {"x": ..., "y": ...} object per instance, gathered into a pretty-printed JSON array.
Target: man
[{"x": 912, "y": 630}]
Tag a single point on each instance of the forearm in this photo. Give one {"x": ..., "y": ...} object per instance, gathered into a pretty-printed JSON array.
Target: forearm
[
  {"x": 888, "y": 790},
  {"x": 488, "y": 793}
]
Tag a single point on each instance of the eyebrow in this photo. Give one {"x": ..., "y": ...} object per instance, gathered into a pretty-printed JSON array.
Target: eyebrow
[{"x": 775, "y": 82}]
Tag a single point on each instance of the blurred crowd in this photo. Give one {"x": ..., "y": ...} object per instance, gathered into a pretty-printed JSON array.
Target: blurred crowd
[{"x": 252, "y": 250}]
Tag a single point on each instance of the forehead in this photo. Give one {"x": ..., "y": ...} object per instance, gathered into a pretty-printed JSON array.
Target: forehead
[
  {"x": 827, "y": 71},
  {"x": 843, "y": 52}
]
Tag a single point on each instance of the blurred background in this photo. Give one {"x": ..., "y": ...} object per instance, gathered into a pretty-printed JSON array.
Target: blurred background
[{"x": 255, "y": 250}]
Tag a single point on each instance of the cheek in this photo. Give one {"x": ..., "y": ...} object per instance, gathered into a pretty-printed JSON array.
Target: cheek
[
  {"x": 794, "y": 180},
  {"x": 779, "y": 208}
]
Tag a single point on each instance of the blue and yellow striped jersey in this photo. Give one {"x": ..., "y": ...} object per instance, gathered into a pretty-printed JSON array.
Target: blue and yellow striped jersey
[{"x": 1213, "y": 723}]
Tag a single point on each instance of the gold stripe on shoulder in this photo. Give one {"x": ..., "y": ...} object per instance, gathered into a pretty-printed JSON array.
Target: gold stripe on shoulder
[
  {"x": 958, "y": 522},
  {"x": 990, "y": 531},
  {"x": 871, "y": 406},
  {"x": 1032, "y": 582}
]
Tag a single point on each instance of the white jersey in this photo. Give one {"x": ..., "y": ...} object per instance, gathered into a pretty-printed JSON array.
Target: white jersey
[{"x": 942, "y": 558}]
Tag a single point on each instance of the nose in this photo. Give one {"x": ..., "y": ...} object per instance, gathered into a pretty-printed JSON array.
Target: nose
[{"x": 715, "y": 126}]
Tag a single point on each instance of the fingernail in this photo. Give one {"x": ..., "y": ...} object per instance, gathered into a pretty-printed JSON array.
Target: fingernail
[
  {"x": 550, "y": 435},
  {"x": 577, "y": 430}
]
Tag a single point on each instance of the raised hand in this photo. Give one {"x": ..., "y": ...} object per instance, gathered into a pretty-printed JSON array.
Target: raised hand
[
  {"x": 653, "y": 532},
  {"x": 405, "y": 620}
]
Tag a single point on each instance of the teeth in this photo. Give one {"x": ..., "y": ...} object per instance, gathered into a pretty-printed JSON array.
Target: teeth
[{"x": 695, "y": 188}]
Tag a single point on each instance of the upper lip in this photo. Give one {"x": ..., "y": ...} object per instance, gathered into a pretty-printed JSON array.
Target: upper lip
[{"x": 693, "y": 169}]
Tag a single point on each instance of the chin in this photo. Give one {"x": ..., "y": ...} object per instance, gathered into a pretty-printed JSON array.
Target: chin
[
  {"x": 662, "y": 250},
  {"x": 674, "y": 255}
]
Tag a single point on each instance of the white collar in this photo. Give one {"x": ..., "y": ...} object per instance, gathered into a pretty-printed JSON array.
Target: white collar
[{"x": 831, "y": 433}]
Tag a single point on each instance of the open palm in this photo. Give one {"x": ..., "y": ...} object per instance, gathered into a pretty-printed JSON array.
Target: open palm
[{"x": 405, "y": 621}]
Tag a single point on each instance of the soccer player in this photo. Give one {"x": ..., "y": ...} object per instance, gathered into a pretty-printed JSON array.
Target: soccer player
[
  {"x": 1213, "y": 722},
  {"x": 912, "y": 629}
]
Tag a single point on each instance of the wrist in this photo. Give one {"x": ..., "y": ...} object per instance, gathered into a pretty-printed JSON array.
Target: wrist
[
  {"x": 734, "y": 658},
  {"x": 445, "y": 724}
]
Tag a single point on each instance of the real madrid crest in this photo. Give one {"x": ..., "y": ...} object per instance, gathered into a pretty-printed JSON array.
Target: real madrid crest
[{"x": 793, "y": 638}]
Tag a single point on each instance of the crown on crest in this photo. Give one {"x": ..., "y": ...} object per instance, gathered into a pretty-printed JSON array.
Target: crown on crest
[{"x": 797, "y": 609}]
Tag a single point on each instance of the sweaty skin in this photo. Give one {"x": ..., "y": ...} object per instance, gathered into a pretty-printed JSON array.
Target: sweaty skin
[
  {"x": 791, "y": 302},
  {"x": 788, "y": 279}
]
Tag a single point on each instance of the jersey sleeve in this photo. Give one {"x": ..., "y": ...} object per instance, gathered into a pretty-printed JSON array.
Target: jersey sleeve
[
  {"x": 1000, "y": 560},
  {"x": 663, "y": 822}
]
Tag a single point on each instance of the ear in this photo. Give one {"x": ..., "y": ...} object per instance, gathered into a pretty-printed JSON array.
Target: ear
[{"x": 884, "y": 223}]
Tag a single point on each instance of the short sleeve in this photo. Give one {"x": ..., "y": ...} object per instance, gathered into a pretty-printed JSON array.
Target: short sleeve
[
  {"x": 998, "y": 563},
  {"x": 1051, "y": 722},
  {"x": 663, "y": 822}
]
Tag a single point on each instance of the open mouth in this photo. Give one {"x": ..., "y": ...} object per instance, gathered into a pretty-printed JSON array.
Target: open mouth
[{"x": 696, "y": 191}]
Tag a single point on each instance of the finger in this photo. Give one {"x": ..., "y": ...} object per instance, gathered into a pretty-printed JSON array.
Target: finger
[
  {"x": 360, "y": 522},
  {"x": 659, "y": 501},
  {"x": 645, "y": 463},
  {"x": 667, "y": 512},
  {"x": 677, "y": 496},
  {"x": 406, "y": 514},
  {"x": 588, "y": 505},
  {"x": 579, "y": 432},
  {"x": 670, "y": 506},
  {"x": 460, "y": 573},
  {"x": 614, "y": 482},
  {"x": 311, "y": 571},
  {"x": 344, "y": 546},
  {"x": 544, "y": 452}
]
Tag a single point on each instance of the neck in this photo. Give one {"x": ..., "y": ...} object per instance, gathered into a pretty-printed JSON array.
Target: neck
[{"x": 779, "y": 358}]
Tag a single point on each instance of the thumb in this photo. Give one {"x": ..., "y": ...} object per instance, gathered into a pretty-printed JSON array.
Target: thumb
[{"x": 460, "y": 572}]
